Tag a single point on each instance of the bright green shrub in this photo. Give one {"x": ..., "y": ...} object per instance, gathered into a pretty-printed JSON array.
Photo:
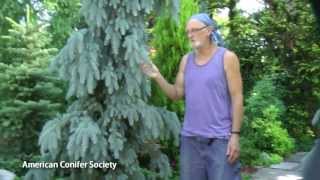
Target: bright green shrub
[
  {"x": 249, "y": 153},
  {"x": 170, "y": 44},
  {"x": 264, "y": 139},
  {"x": 269, "y": 134}
]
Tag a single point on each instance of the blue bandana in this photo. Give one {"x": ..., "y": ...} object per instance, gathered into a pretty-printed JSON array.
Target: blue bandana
[{"x": 215, "y": 35}]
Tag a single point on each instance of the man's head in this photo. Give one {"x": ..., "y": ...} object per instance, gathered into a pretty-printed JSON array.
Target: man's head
[{"x": 201, "y": 29}]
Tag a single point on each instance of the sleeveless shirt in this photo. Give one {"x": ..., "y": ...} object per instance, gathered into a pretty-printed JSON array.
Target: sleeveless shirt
[{"x": 208, "y": 111}]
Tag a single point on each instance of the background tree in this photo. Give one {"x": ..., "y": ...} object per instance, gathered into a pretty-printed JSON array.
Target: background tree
[
  {"x": 109, "y": 119},
  {"x": 13, "y": 9},
  {"x": 64, "y": 19},
  {"x": 211, "y": 6},
  {"x": 273, "y": 42},
  {"x": 298, "y": 61},
  {"x": 29, "y": 94}
]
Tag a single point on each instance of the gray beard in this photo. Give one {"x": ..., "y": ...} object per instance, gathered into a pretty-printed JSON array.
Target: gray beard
[{"x": 196, "y": 45}]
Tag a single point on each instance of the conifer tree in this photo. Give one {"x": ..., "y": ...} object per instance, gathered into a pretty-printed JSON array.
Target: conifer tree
[
  {"x": 109, "y": 119},
  {"x": 29, "y": 94},
  {"x": 171, "y": 43}
]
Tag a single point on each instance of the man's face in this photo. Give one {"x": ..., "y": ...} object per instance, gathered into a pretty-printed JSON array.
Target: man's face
[{"x": 197, "y": 32}]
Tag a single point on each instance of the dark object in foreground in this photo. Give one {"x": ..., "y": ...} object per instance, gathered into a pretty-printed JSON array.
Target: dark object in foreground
[
  {"x": 316, "y": 9},
  {"x": 312, "y": 161}
]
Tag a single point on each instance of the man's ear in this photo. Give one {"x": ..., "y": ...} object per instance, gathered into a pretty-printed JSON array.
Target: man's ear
[{"x": 210, "y": 29}]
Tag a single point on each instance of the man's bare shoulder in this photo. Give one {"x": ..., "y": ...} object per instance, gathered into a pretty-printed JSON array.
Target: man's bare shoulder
[
  {"x": 230, "y": 55},
  {"x": 230, "y": 58}
]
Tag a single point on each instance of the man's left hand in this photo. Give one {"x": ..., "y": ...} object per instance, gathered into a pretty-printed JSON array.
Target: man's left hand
[{"x": 233, "y": 150}]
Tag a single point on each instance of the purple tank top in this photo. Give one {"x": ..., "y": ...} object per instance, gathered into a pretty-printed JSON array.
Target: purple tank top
[{"x": 207, "y": 99}]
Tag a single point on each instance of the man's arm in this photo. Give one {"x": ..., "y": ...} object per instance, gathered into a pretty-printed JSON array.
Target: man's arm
[
  {"x": 173, "y": 91},
  {"x": 232, "y": 69}
]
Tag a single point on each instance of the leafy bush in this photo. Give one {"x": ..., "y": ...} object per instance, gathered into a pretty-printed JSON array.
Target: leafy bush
[
  {"x": 269, "y": 134},
  {"x": 298, "y": 127},
  {"x": 266, "y": 159},
  {"x": 265, "y": 140},
  {"x": 249, "y": 153}
]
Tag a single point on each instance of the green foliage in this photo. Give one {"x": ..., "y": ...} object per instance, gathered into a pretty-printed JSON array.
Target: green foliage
[
  {"x": 269, "y": 130},
  {"x": 249, "y": 153},
  {"x": 109, "y": 118},
  {"x": 12, "y": 164},
  {"x": 210, "y": 6},
  {"x": 299, "y": 54},
  {"x": 263, "y": 129},
  {"x": 264, "y": 95},
  {"x": 298, "y": 124},
  {"x": 170, "y": 44},
  {"x": 245, "y": 176},
  {"x": 12, "y": 9},
  {"x": 267, "y": 159},
  {"x": 64, "y": 19},
  {"x": 29, "y": 94},
  {"x": 274, "y": 42}
]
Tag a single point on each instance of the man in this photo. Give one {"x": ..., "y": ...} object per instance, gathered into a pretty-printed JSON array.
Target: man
[{"x": 210, "y": 81}]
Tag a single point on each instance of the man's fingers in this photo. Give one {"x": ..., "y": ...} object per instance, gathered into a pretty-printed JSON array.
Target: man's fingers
[
  {"x": 228, "y": 150},
  {"x": 230, "y": 157},
  {"x": 142, "y": 66},
  {"x": 145, "y": 66},
  {"x": 233, "y": 156}
]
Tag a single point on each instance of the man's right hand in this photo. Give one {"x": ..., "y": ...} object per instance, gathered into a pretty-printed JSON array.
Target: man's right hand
[
  {"x": 150, "y": 70},
  {"x": 173, "y": 91}
]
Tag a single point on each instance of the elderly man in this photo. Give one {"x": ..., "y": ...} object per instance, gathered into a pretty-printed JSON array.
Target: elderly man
[{"x": 210, "y": 81}]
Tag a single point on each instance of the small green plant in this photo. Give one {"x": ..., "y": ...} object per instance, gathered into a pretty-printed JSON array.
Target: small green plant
[
  {"x": 266, "y": 159},
  {"x": 246, "y": 176},
  {"x": 249, "y": 152},
  {"x": 269, "y": 134}
]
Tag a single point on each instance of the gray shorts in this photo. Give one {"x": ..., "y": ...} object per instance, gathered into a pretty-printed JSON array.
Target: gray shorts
[{"x": 205, "y": 159}]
